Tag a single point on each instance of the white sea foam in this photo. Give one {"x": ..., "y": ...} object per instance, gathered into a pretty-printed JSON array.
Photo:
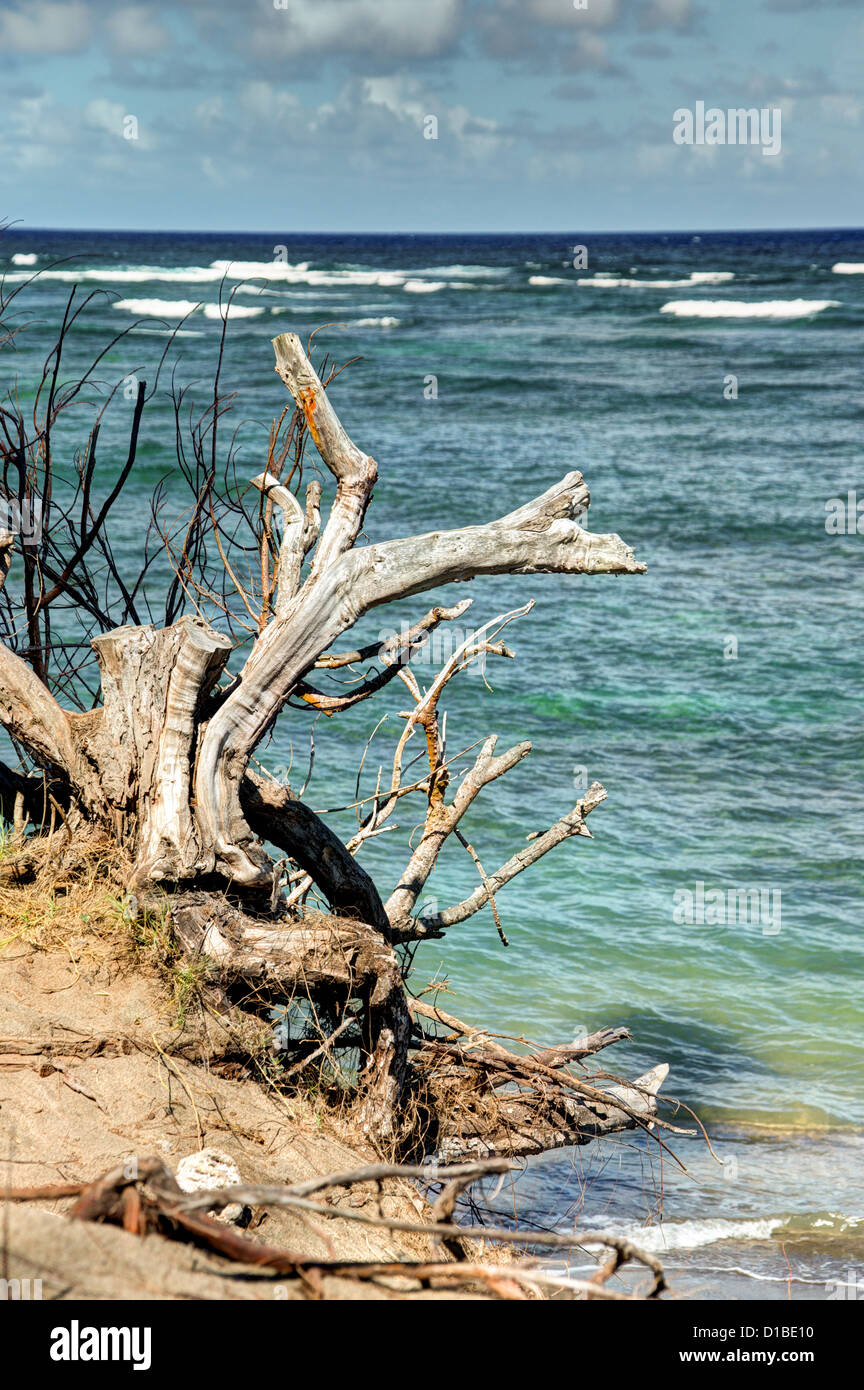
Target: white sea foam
[
  {"x": 136, "y": 275},
  {"x": 711, "y": 277},
  {"x": 740, "y": 309},
  {"x": 24, "y": 258},
  {"x": 314, "y": 295},
  {"x": 386, "y": 322},
  {"x": 178, "y": 308},
  {"x": 231, "y": 311},
  {"x": 546, "y": 280},
  {"x": 691, "y": 1235},
  {"x": 158, "y": 308},
  {"x": 848, "y": 268},
  {"x": 189, "y": 275},
  {"x": 607, "y": 281},
  {"x": 461, "y": 272},
  {"x": 166, "y": 332},
  {"x": 273, "y": 272},
  {"x": 302, "y": 274}
]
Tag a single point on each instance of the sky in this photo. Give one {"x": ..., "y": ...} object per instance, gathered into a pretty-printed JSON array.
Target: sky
[{"x": 425, "y": 115}]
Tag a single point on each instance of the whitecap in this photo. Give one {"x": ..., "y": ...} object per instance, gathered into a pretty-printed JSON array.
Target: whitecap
[
  {"x": 167, "y": 332},
  {"x": 158, "y": 308},
  {"x": 546, "y": 280},
  {"x": 386, "y": 322},
  {"x": 691, "y": 1235},
  {"x": 711, "y": 277},
  {"x": 740, "y": 309},
  {"x": 424, "y": 286},
  {"x": 697, "y": 277},
  {"x": 136, "y": 275},
  {"x": 280, "y": 272},
  {"x": 848, "y": 268},
  {"x": 24, "y": 258},
  {"x": 231, "y": 311},
  {"x": 301, "y": 274},
  {"x": 464, "y": 272},
  {"x": 171, "y": 308}
]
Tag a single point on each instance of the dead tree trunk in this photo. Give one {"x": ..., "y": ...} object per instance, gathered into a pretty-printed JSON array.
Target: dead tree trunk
[{"x": 162, "y": 763}]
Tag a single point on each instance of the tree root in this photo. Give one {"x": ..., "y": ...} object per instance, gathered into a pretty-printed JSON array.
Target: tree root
[
  {"x": 462, "y": 1095},
  {"x": 315, "y": 954}
]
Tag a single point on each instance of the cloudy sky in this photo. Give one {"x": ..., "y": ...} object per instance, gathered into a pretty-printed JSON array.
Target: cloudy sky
[{"x": 313, "y": 115}]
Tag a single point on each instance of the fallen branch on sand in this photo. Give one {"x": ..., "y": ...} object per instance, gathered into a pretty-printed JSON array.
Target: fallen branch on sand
[{"x": 144, "y": 1198}]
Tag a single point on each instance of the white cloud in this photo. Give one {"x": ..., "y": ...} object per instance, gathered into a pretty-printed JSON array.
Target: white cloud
[
  {"x": 842, "y": 107},
  {"x": 34, "y": 122},
  {"x": 663, "y": 14},
  {"x": 587, "y": 53},
  {"x": 399, "y": 97},
  {"x": 136, "y": 30},
  {"x": 115, "y": 119},
  {"x": 45, "y": 28},
  {"x": 266, "y": 102},
  {"x": 656, "y": 159},
  {"x": 598, "y": 13},
  {"x": 101, "y": 114},
  {"x": 403, "y": 98},
  {"x": 373, "y": 123},
  {"x": 389, "y": 28}
]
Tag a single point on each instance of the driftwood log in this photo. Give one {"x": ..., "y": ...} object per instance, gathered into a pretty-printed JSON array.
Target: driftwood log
[{"x": 159, "y": 759}]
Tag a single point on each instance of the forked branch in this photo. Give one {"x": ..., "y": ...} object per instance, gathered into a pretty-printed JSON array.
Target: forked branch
[
  {"x": 573, "y": 823},
  {"x": 542, "y": 536},
  {"x": 354, "y": 471}
]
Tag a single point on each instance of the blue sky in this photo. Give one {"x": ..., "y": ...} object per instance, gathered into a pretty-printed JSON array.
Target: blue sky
[{"x": 309, "y": 115}]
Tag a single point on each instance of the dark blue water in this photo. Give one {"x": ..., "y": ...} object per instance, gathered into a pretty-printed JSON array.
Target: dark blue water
[{"x": 717, "y": 697}]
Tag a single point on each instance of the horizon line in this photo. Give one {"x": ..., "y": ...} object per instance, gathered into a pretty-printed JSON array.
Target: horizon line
[{"x": 527, "y": 232}]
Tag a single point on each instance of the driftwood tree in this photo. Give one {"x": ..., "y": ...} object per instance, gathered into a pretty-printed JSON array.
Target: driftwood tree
[{"x": 158, "y": 755}]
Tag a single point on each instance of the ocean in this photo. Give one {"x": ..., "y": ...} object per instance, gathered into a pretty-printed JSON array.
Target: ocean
[{"x": 707, "y": 386}]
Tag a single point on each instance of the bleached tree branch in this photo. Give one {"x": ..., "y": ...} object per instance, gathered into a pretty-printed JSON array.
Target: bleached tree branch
[
  {"x": 354, "y": 471},
  {"x": 573, "y": 823},
  {"x": 290, "y": 547},
  {"x": 30, "y": 714},
  {"x": 441, "y": 822},
  {"x": 541, "y": 536},
  {"x": 395, "y": 654}
]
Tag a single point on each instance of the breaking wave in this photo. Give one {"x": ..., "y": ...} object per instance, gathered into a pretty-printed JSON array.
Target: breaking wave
[
  {"x": 275, "y": 272},
  {"x": 137, "y": 275},
  {"x": 158, "y": 308},
  {"x": 424, "y": 286},
  {"x": 741, "y": 309},
  {"x": 231, "y": 311},
  {"x": 179, "y": 308},
  {"x": 692, "y": 1235},
  {"x": 696, "y": 277}
]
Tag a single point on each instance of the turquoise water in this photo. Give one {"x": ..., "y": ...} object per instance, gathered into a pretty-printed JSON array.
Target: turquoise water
[{"x": 729, "y": 770}]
